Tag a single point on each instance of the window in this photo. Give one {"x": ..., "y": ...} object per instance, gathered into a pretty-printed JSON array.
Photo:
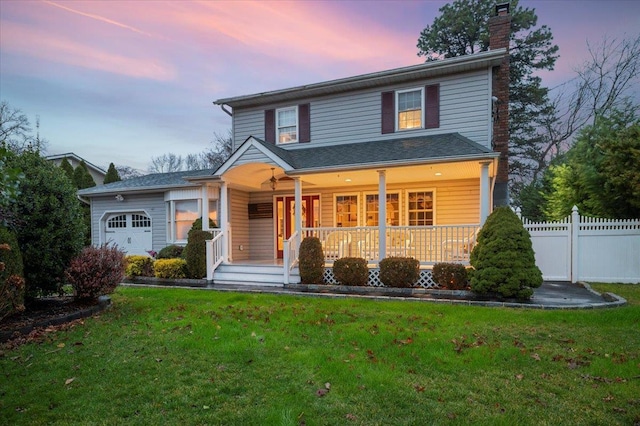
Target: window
[
  {"x": 186, "y": 212},
  {"x": 409, "y": 109},
  {"x": 420, "y": 208},
  {"x": 119, "y": 221},
  {"x": 287, "y": 125},
  {"x": 213, "y": 211},
  {"x": 140, "y": 221},
  {"x": 346, "y": 211},
  {"x": 393, "y": 209}
]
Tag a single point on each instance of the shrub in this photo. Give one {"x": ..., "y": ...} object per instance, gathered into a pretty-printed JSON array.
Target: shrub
[
  {"x": 170, "y": 252},
  {"x": 399, "y": 271},
  {"x": 195, "y": 253},
  {"x": 503, "y": 260},
  {"x": 96, "y": 271},
  {"x": 139, "y": 266},
  {"x": 311, "y": 261},
  {"x": 197, "y": 225},
  {"x": 452, "y": 276},
  {"x": 351, "y": 271},
  {"x": 11, "y": 281},
  {"x": 50, "y": 231},
  {"x": 171, "y": 268}
]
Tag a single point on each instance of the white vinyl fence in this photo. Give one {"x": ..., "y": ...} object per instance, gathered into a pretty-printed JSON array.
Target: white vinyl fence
[{"x": 581, "y": 248}]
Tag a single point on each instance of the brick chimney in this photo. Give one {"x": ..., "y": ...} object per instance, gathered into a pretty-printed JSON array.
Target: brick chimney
[{"x": 499, "y": 32}]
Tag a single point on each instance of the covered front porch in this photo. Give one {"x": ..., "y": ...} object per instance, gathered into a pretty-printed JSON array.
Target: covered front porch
[{"x": 428, "y": 210}]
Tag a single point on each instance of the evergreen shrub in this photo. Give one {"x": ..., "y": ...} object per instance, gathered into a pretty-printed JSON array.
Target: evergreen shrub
[
  {"x": 139, "y": 266},
  {"x": 195, "y": 253},
  {"x": 351, "y": 271},
  {"x": 96, "y": 271},
  {"x": 11, "y": 280},
  {"x": 503, "y": 260},
  {"x": 311, "y": 261},
  {"x": 399, "y": 271},
  {"x": 452, "y": 276},
  {"x": 170, "y": 268},
  {"x": 170, "y": 252}
]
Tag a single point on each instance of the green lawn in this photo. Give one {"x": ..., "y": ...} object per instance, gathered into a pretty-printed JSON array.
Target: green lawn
[{"x": 178, "y": 356}]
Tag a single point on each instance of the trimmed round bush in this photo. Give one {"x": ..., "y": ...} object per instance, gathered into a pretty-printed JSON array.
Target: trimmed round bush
[
  {"x": 399, "y": 271},
  {"x": 170, "y": 252},
  {"x": 503, "y": 260},
  {"x": 170, "y": 268},
  {"x": 96, "y": 271},
  {"x": 195, "y": 253},
  {"x": 311, "y": 261},
  {"x": 452, "y": 276},
  {"x": 351, "y": 271},
  {"x": 139, "y": 266},
  {"x": 11, "y": 281}
]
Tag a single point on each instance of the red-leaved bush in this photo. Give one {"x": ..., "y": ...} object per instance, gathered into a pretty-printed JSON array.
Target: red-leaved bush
[{"x": 96, "y": 271}]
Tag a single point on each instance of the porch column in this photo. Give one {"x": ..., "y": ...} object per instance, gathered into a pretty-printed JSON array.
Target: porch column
[
  {"x": 224, "y": 221},
  {"x": 298, "y": 204},
  {"x": 485, "y": 192},
  {"x": 382, "y": 213},
  {"x": 205, "y": 207}
]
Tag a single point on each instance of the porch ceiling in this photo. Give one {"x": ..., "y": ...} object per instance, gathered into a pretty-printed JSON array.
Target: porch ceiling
[{"x": 255, "y": 176}]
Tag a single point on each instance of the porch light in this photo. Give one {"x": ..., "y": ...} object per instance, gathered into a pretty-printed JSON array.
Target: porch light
[
  {"x": 347, "y": 180},
  {"x": 438, "y": 174},
  {"x": 119, "y": 198},
  {"x": 273, "y": 182}
]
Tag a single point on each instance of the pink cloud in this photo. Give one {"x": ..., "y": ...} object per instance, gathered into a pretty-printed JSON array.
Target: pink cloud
[{"x": 44, "y": 45}]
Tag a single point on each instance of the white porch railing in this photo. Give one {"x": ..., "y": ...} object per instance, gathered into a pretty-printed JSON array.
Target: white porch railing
[
  {"x": 214, "y": 252},
  {"x": 428, "y": 244},
  {"x": 290, "y": 255}
]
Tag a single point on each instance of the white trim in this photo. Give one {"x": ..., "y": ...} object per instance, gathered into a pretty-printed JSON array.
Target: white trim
[
  {"x": 334, "y": 206},
  {"x": 397, "y": 112},
  {"x": 277, "y": 127},
  {"x": 406, "y": 206},
  {"x": 252, "y": 142}
]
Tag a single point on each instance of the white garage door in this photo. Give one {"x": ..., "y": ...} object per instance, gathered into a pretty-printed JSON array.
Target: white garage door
[{"x": 130, "y": 231}]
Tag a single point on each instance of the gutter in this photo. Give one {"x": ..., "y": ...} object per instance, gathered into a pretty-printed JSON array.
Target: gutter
[{"x": 81, "y": 198}]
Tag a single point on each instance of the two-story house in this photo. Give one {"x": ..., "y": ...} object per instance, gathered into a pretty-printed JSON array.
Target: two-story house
[{"x": 404, "y": 162}]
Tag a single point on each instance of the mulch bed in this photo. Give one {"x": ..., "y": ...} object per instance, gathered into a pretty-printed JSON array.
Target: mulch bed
[{"x": 47, "y": 312}]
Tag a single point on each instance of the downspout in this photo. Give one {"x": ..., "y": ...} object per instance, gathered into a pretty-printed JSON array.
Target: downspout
[{"x": 226, "y": 111}]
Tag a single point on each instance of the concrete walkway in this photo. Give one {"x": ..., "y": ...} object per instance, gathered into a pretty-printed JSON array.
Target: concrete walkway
[{"x": 551, "y": 295}]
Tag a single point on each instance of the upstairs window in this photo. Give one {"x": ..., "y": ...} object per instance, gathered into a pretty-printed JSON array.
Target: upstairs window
[
  {"x": 410, "y": 106},
  {"x": 287, "y": 125}
]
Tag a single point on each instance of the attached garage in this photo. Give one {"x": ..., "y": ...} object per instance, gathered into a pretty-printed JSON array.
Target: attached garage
[{"x": 131, "y": 231}]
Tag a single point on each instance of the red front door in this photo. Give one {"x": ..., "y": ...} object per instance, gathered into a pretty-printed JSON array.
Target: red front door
[{"x": 285, "y": 217}]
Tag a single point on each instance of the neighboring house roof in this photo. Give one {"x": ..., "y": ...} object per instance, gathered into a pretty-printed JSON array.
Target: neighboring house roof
[
  {"x": 155, "y": 182},
  {"x": 402, "y": 151},
  {"x": 78, "y": 159},
  {"x": 430, "y": 69}
]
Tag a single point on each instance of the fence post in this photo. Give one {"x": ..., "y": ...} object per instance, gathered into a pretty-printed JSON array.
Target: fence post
[{"x": 575, "y": 228}]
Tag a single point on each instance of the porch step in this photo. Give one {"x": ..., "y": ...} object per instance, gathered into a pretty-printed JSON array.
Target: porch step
[{"x": 247, "y": 274}]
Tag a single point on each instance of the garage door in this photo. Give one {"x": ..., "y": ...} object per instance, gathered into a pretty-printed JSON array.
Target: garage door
[{"x": 130, "y": 231}]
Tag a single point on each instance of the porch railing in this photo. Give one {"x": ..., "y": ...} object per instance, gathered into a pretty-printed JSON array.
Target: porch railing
[
  {"x": 290, "y": 255},
  {"x": 428, "y": 244},
  {"x": 214, "y": 252}
]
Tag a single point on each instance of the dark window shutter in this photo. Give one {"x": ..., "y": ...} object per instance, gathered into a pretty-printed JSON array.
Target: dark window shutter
[
  {"x": 304, "y": 123},
  {"x": 432, "y": 106},
  {"x": 388, "y": 112},
  {"x": 270, "y": 125}
]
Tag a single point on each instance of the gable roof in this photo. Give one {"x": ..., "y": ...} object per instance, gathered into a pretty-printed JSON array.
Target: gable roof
[
  {"x": 379, "y": 153},
  {"x": 78, "y": 159},
  {"x": 430, "y": 69},
  {"x": 155, "y": 182}
]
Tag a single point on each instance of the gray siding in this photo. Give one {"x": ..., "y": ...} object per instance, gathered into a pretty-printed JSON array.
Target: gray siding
[
  {"x": 153, "y": 204},
  {"x": 253, "y": 155},
  {"x": 465, "y": 105},
  {"x": 239, "y": 219}
]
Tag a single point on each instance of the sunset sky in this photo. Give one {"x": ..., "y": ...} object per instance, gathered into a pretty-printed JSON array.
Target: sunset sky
[{"x": 122, "y": 81}]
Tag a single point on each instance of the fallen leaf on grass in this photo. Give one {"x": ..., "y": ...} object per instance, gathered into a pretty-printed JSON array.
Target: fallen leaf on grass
[
  {"x": 69, "y": 381},
  {"x": 608, "y": 398},
  {"x": 536, "y": 357},
  {"x": 321, "y": 392},
  {"x": 351, "y": 417},
  {"x": 519, "y": 376},
  {"x": 418, "y": 388},
  {"x": 327, "y": 386},
  {"x": 60, "y": 345}
]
